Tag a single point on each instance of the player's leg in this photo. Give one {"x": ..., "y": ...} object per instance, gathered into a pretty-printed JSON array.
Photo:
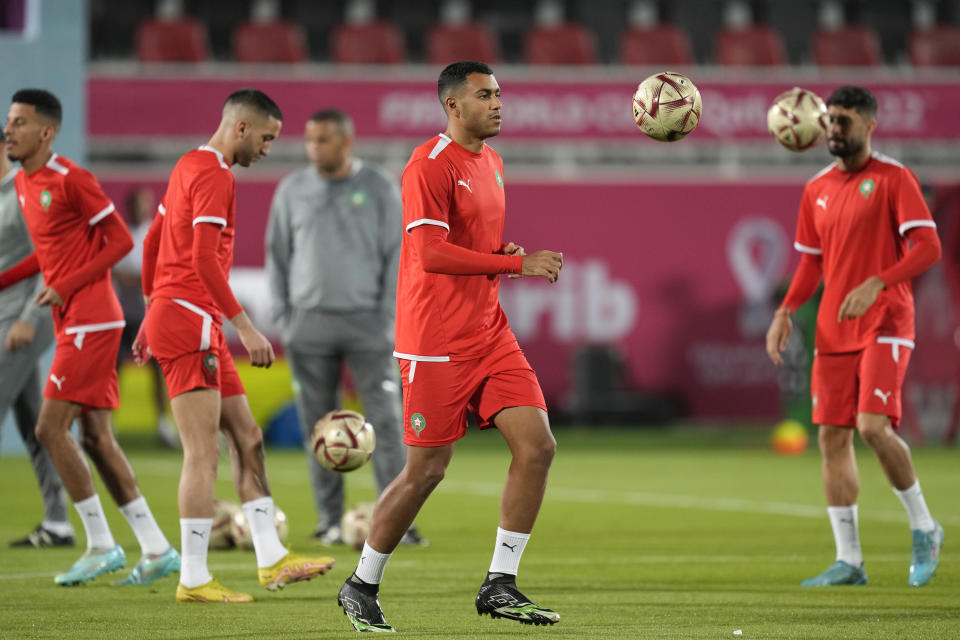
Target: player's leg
[
  {"x": 833, "y": 387},
  {"x": 277, "y": 566},
  {"x": 377, "y": 380},
  {"x": 882, "y": 370},
  {"x": 20, "y": 391},
  {"x": 318, "y": 378},
  {"x": 393, "y": 514}
]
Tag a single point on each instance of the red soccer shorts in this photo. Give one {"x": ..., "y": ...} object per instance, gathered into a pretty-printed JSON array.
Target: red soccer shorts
[
  {"x": 84, "y": 368},
  {"x": 190, "y": 348},
  {"x": 868, "y": 381},
  {"x": 438, "y": 395}
]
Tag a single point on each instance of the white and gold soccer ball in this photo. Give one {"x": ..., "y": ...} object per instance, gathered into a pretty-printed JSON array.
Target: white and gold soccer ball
[
  {"x": 221, "y": 534},
  {"x": 355, "y": 525},
  {"x": 343, "y": 440},
  {"x": 667, "y": 106},
  {"x": 797, "y": 119}
]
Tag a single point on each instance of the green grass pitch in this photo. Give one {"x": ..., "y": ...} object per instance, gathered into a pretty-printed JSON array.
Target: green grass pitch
[{"x": 643, "y": 534}]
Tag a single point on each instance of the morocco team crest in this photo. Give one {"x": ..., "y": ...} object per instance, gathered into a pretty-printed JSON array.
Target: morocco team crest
[
  {"x": 418, "y": 423},
  {"x": 210, "y": 367}
]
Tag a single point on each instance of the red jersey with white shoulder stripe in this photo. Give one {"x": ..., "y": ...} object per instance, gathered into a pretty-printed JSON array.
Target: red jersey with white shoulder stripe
[
  {"x": 201, "y": 191},
  {"x": 440, "y": 316},
  {"x": 857, "y": 221},
  {"x": 62, "y": 204}
]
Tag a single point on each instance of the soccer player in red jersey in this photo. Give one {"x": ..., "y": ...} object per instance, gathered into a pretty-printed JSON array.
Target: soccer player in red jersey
[
  {"x": 456, "y": 350},
  {"x": 77, "y": 237},
  {"x": 186, "y": 263},
  {"x": 855, "y": 220}
]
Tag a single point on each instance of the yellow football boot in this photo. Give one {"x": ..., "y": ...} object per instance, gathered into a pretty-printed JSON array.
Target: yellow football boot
[
  {"x": 212, "y": 591},
  {"x": 293, "y": 568}
]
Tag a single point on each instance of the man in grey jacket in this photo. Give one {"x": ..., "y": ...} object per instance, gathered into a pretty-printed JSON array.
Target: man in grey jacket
[
  {"x": 26, "y": 331},
  {"x": 333, "y": 246}
]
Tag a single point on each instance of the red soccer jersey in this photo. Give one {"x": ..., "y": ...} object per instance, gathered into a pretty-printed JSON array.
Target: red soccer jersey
[
  {"x": 62, "y": 204},
  {"x": 857, "y": 220},
  {"x": 201, "y": 190},
  {"x": 440, "y": 316}
]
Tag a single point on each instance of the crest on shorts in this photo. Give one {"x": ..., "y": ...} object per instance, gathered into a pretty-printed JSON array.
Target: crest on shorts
[
  {"x": 418, "y": 423},
  {"x": 210, "y": 363},
  {"x": 866, "y": 187},
  {"x": 45, "y": 199}
]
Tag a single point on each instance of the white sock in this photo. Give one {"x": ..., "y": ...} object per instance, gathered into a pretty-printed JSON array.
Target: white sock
[
  {"x": 95, "y": 523},
  {"x": 506, "y": 554},
  {"x": 843, "y": 520},
  {"x": 371, "y": 565},
  {"x": 151, "y": 538},
  {"x": 916, "y": 506},
  {"x": 263, "y": 530},
  {"x": 194, "y": 541},
  {"x": 59, "y": 528}
]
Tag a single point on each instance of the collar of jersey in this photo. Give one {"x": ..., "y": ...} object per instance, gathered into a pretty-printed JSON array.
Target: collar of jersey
[{"x": 206, "y": 147}]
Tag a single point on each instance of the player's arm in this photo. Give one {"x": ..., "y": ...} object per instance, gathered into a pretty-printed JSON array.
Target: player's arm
[
  {"x": 22, "y": 331},
  {"x": 279, "y": 249},
  {"x": 22, "y": 270},
  {"x": 148, "y": 269},
  {"x": 805, "y": 281}
]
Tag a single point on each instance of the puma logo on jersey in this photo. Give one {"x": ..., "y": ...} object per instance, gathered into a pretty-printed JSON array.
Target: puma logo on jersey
[
  {"x": 58, "y": 381},
  {"x": 883, "y": 396},
  {"x": 822, "y": 202},
  {"x": 461, "y": 183},
  {"x": 23, "y": 201}
]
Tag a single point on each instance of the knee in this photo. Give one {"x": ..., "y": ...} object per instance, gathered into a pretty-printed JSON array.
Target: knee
[
  {"x": 834, "y": 441},
  {"x": 539, "y": 452},
  {"x": 91, "y": 440},
  {"x": 45, "y": 433},
  {"x": 873, "y": 428}
]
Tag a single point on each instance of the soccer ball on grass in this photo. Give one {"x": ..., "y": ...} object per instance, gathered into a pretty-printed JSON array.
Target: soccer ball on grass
[{"x": 355, "y": 525}]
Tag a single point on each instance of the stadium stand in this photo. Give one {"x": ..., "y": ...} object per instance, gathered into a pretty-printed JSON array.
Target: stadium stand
[
  {"x": 365, "y": 39},
  {"x": 457, "y": 37},
  {"x": 746, "y": 42},
  {"x": 841, "y": 40},
  {"x": 273, "y": 41},
  {"x": 648, "y": 40},
  {"x": 554, "y": 41},
  {"x": 182, "y": 39}
]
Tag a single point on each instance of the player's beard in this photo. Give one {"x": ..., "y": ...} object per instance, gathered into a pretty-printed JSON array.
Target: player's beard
[{"x": 848, "y": 149}]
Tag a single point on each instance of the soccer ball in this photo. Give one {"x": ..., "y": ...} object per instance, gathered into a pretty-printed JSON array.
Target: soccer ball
[
  {"x": 343, "y": 440},
  {"x": 221, "y": 535},
  {"x": 667, "y": 106},
  {"x": 789, "y": 438},
  {"x": 240, "y": 528},
  {"x": 797, "y": 119},
  {"x": 355, "y": 525}
]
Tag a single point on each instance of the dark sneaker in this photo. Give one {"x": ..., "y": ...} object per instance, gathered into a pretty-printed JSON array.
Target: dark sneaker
[
  {"x": 500, "y": 598},
  {"x": 40, "y": 538},
  {"x": 412, "y": 538},
  {"x": 362, "y": 607}
]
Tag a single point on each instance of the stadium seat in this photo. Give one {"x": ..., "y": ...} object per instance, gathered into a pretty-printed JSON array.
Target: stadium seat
[
  {"x": 660, "y": 44},
  {"x": 937, "y": 46},
  {"x": 180, "y": 40},
  {"x": 755, "y": 46},
  {"x": 375, "y": 42},
  {"x": 567, "y": 43},
  {"x": 848, "y": 46},
  {"x": 471, "y": 41},
  {"x": 276, "y": 41}
]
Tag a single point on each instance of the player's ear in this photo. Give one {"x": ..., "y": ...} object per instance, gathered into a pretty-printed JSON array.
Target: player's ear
[{"x": 450, "y": 102}]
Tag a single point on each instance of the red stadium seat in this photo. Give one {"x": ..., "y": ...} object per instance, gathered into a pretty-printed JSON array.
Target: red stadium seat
[
  {"x": 375, "y": 42},
  {"x": 180, "y": 40},
  {"x": 661, "y": 44},
  {"x": 938, "y": 46},
  {"x": 565, "y": 44},
  {"x": 278, "y": 41},
  {"x": 473, "y": 41},
  {"x": 755, "y": 46},
  {"x": 848, "y": 46}
]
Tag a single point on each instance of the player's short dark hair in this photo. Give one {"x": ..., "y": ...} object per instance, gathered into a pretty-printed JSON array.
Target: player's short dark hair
[
  {"x": 46, "y": 104},
  {"x": 856, "y": 98},
  {"x": 336, "y": 116},
  {"x": 257, "y": 100},
  {"x": 454, "y": 75}
]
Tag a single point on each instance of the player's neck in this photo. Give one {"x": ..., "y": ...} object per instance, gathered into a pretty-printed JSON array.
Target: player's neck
[
  {"x": 221, "y": 145},
  {"x": 464, "y": 139},
  {"x": 853, "y": 163},
  {"x": 35, "y": 162},
  {"x": 341, "y": 172}
]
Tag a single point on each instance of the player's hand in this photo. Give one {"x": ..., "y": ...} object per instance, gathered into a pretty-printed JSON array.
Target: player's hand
[
  {"x": 778, "y": 334},
  {"x": 543, "y": 263},
  {"x": 257, "y": 345},
  {"x": 141, "y": 351},
  {"x": 512, "y": 249},
  {"x": 48, "y": 296},
  {"x": 860, "y": 299},
  {"x": 20, "y": 334}
]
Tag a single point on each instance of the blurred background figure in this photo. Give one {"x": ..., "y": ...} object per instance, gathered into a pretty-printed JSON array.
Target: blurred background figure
[
  {"x": 333, "y": 249},
  {"x": 141, "y": 205},
  {"x": 26, "y": 331}
]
